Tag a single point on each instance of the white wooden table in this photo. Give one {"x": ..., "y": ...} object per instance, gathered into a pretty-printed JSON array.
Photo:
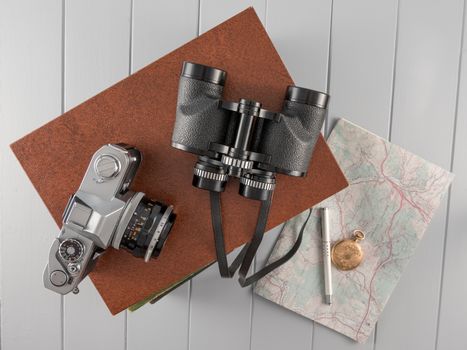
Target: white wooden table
[{"x": 394, "y": 67}]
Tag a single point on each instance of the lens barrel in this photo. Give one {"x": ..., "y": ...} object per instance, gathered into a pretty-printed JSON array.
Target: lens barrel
[
  {"x": 199, "y": 121},
  {"x": 291, "y": 142},
  {"x": 204, "y": 73},
  {"x": 209, "y": 174},
  {"x": 258, "y": 185},
  {"x": 307, "y": 96},
  {"x": 148, "y": 229}
]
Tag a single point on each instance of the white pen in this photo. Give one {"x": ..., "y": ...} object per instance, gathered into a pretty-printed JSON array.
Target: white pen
[{"x": 326, "y": 255}]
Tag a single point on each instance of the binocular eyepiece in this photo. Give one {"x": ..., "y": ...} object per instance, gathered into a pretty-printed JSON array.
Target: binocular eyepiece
[{"x": 242, "y": 139}]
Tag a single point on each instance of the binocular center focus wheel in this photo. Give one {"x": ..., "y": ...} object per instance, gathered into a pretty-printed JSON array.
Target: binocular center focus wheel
[{"x": 238, "y": 163}]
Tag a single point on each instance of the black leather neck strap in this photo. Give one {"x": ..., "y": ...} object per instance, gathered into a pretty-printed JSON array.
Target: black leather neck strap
[{"x": 245, "y": 258}]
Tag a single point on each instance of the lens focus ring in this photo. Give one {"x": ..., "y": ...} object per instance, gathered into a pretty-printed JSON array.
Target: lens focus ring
[{"x": 157, "y": 233}]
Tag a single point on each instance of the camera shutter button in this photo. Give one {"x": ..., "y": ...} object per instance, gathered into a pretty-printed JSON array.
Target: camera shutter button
[{"x": 107, "y": 166}]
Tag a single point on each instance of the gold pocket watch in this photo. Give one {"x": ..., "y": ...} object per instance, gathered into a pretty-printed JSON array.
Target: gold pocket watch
[{"x": 347, "y": 254}]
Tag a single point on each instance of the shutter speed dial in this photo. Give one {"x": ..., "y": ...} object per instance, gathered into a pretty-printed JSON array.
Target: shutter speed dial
[{"x": 71, "y": 250}]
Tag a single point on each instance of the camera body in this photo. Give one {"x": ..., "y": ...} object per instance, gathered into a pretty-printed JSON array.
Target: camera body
[
  {"x": 242, "y": 139},
  {"x": 104, "y": 212}
]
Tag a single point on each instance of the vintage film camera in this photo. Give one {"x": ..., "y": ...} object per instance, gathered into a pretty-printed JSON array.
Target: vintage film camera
[
  {"x": 105, "y": 212},
  {"x": 243, "y": 140}
]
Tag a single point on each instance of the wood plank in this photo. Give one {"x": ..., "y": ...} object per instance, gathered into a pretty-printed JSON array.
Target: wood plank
[
  {"x": 96, "y": 56},
  {"x": 88, "y": 324},
  {"x": 453, "y": 308},
  {"x": 160, "y": 27},
  {"x": 97, "y": 43},
  {"x": 425, "y": 90},
  {"x": 300, "y": 32},
  {"x": 214, "y": 12},
  {"x": 363, "y": 44},
  {"x": 165, "y": 322},
  {"x": 30, "y": 95},
  {"x": 220, "y": 310}
]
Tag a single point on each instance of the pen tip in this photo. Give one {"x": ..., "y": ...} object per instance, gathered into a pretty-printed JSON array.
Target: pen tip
[{"x": 328, "y": 299}]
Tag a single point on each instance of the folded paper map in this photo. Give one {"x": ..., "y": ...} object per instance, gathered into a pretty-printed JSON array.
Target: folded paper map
[{"x": 392, "y": 197}]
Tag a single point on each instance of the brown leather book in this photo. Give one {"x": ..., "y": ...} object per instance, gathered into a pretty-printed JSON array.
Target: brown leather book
[{"x": 140, "y": 111}]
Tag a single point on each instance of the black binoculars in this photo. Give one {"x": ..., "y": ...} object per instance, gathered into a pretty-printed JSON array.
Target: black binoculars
[{"x": 242, "y": 139}]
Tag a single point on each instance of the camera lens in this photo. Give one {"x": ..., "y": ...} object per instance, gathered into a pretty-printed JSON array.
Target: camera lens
[{"x": 148, "y": 228}]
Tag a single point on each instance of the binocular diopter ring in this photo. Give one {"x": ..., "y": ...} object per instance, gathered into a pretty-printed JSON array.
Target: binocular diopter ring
[
  {"x": 210, "y": 175},
  {"x": 260, "y": 185}
]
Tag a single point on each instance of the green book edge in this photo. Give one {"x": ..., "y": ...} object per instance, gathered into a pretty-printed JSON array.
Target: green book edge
[{"x": 161, "y": 293}]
